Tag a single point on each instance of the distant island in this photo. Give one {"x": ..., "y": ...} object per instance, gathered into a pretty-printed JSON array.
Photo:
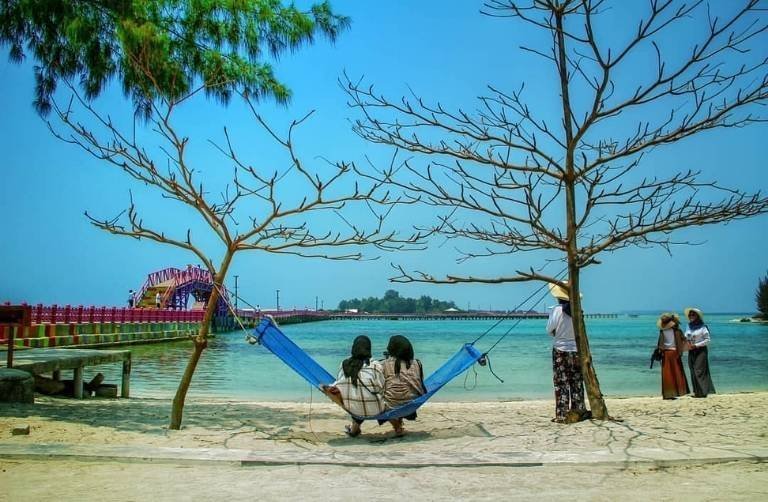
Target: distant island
[{"x": 392, "y": 302}]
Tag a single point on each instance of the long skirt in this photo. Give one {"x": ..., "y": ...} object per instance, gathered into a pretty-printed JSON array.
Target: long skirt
[
  {"x": 698, "y": 363},
  {"x": 673, "y": 382},
  {"x": 569, "y": 384}
]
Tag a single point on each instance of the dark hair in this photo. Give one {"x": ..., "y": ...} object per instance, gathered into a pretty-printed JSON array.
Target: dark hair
[
  {"x": 566, "y": 304},
  {"x": 361, "y": 355},
  {"x": 401, "y": 349}
]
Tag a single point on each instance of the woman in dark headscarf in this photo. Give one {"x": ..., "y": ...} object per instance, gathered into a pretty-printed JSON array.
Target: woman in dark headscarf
[
  {"x": 403, "y": 377},
  {"x": 359, "y": 386}
]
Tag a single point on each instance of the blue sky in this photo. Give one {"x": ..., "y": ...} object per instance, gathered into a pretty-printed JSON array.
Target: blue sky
[{"x": 445, "y": 51}]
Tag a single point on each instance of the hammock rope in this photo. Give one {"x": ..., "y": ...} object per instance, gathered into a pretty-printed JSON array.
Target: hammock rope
[
  {"x": 272, "y": 338},
  {"x": 559, "y": 276}
]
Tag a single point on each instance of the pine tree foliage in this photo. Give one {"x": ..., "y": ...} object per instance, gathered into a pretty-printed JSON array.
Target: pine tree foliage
[
  {"x": 166, "y": 47},
  {"x": 761, "y": 297}
]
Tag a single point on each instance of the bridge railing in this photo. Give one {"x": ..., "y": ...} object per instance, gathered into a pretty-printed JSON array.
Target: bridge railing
[
  {"x": 192, "y": 274},
  {"x": 277, "y": 314},
  {"x": 79, "y": 314},
  {"x": 154, "y": 278},
  {"x": 178, "y": 278}
]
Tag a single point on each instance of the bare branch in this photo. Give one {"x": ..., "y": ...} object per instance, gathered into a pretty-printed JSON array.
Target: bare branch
[
  {"x": 511, "y": 182},
  {"x": 407, "y": 277}
]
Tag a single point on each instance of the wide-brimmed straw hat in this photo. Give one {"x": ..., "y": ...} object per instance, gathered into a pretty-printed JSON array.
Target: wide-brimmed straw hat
[
  {"x": 694, "y": 309},
  {"x": 673, "y": 318},
  {"x": 559, "y": 292}
]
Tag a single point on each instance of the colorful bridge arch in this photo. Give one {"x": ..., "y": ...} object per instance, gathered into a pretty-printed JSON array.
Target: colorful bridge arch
[{"x": 175, "y": 286}]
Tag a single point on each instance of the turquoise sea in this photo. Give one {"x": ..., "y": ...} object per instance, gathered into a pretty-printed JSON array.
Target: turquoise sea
[{"x": 621, "y": 347}]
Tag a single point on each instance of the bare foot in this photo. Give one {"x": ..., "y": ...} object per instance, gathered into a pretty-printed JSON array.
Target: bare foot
[{"x": 397, "y": 424}]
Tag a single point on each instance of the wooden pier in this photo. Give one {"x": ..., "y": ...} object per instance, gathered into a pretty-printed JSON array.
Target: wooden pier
[{"x": 41, "y": 361}]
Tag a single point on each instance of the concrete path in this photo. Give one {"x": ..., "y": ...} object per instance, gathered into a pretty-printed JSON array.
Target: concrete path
[{"x": 192, "y": 456}]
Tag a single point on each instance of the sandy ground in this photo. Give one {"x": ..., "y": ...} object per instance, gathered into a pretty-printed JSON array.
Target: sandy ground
[{"x": 687, "y": 449}]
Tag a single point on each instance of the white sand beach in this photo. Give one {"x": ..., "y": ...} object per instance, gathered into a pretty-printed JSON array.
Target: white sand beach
[{"x": 703, "y": 449}]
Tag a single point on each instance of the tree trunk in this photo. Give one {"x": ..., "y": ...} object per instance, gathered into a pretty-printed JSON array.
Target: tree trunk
[
  {"x": 596, "y": 402},
  {"x": 201, "y": 342}
]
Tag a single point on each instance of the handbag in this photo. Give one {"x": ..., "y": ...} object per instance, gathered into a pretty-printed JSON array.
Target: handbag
[{"x": 655, "y": 356}]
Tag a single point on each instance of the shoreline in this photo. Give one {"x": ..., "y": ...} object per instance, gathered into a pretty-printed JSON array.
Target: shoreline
[{"x": 317, "y": 397}]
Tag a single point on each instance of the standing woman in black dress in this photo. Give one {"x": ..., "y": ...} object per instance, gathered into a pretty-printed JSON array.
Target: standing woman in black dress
[{"x": 698, "y": 339}]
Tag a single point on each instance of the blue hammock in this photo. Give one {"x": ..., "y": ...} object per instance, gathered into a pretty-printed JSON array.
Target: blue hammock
[{"x": 291, "y": 354}]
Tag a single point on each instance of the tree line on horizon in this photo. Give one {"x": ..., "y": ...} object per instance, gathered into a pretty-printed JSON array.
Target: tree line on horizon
[{"x": 392, "y": 303}]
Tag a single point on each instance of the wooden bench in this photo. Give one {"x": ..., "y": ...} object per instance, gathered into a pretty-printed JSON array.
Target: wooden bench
[{"x": 53, "y": 360}]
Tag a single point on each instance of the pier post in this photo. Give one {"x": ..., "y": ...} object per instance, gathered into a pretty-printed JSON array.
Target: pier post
[
  {"x": 125, "y": 388},
  {"x": 14, "y": 318},
  {"x": 11, "y": 346},
  {"x": 78, "y": 382}
]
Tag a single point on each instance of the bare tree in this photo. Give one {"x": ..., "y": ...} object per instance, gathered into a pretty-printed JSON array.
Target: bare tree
[
  {"x": 579, "y": 184},
  {"x": 278, "y": 207}
]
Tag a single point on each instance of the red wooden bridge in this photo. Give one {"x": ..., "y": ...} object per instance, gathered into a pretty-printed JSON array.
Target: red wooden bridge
[
  {"x": 169, "y": 306},
  {"x": 68, "y": 314}
]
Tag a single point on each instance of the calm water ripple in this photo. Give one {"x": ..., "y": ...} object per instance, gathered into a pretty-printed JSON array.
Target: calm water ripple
[{"x": 231, "y": 368}]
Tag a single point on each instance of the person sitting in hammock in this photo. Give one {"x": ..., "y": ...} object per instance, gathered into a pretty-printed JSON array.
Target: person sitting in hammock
[
  {"x": 403, "y": 378},
  {"x": 359, "y": 387}
]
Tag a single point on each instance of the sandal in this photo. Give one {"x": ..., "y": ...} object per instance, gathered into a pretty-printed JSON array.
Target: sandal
[
  {"x": 351, "y": 433},
  {"x": 558, "y": 420}
]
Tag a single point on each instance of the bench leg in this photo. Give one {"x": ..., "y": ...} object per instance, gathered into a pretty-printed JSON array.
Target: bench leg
[
  {"x": 78, "y": 383},
  {"x": 125, "y": 389},
  {"x": 57, "y": 375}
]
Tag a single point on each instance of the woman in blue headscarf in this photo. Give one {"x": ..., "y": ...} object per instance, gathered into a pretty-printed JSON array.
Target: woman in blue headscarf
[{"x": 698, "y": 339}]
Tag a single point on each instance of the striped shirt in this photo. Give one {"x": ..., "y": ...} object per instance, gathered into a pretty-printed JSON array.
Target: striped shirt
[{"x": 366, "y": 399}]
